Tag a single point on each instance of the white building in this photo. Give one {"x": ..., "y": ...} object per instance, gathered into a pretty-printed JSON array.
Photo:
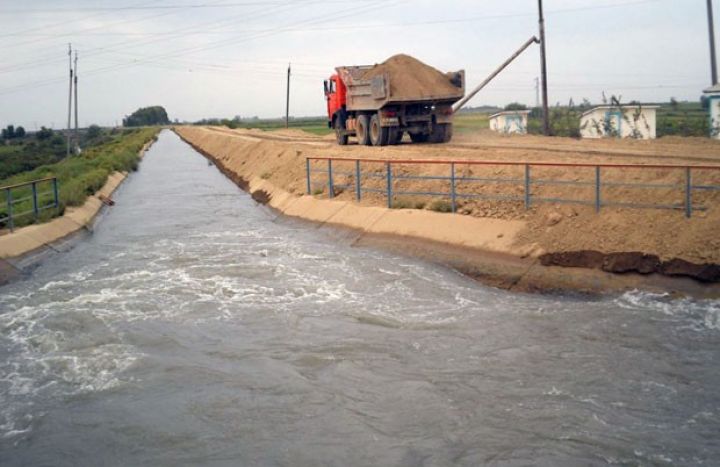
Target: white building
[
  {"x": 624, "y": 121},
  {"x": 713, "y": 94},
  {"x": 510, "y": 121}
]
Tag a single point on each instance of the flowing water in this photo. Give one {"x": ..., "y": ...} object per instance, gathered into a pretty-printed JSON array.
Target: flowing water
[{"x": 196, "y": 328}]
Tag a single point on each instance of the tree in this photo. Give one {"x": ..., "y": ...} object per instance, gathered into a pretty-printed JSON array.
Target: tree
[
  {"x": 44, "y": 133},
  {"x": 93, "y": 131},
  {"x": 146, "y": 116},
  {"x": 9, "y": 132},
  {"x": 19, "y": 132},
  {"x": 515, "y": 106}
]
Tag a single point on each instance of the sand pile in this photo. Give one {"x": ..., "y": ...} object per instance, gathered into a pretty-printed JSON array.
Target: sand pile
[{"x": 410, "y": 78}]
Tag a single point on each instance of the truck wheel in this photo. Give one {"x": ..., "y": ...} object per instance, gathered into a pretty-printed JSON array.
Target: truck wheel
[
  {"x": 363, "y": 133},
  {"x": 378, "y": 134},
  {"x": 341, "y": 136},
  {"x": 442, "y": 132},
  {"x": 419, "y": 137}
]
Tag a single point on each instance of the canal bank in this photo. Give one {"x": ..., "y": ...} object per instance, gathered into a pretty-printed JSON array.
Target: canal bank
[
  {"x": 25, "y": 247},
  {"x": 487, "y": 249}
]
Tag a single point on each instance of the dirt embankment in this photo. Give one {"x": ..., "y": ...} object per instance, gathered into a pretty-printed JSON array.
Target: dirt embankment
[{"x": 676, "y": 245}]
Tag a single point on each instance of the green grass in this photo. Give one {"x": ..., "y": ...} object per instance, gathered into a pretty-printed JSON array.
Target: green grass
[
  {"x": 81, "y": 175},
  {"x": 470, "y": 122}
]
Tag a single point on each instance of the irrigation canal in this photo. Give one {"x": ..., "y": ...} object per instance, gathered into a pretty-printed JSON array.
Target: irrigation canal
[{"x": 195, "y": 328}]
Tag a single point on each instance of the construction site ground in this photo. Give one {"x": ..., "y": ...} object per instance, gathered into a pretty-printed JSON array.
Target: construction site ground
[{"x": 278, "y": 157}]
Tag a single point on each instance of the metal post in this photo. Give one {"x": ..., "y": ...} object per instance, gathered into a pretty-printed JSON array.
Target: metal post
[
  {"x": 331, "y": 186},
  {"x": 358, "y": 190},
  {"x": 388, "y": 170},
  {"x": 287, "y": 100},
  {"x": 527, "y": 186},
  {"x": 452, "y": 186},
  {"x": 8, "y": 197},
  {"x": 69, "y": 99},
  {"x": 35, "y": 200},
  {"x": 598, "y": 202},
  {"x": 688, "y": 192},
  {"x": 543, "y": 71},
  {"x": 713, "y": 58},
  {"x": 307, "y": 174},
  {"x": 56, "y": 193}
]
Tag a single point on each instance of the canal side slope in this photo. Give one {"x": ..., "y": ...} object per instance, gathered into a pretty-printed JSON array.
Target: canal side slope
[
  {"x": 19, "y": 248},
  {"x": 484, "y": 240}
]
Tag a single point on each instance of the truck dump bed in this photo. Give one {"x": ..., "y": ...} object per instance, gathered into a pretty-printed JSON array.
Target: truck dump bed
[{"x": 399, "y": 80}]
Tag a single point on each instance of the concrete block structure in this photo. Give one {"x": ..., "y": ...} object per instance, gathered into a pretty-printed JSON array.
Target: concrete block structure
[
  {"x": 713, "y": 94},
  {"x": 510, "y": 121},
  {"x": 620, "y": 121}
]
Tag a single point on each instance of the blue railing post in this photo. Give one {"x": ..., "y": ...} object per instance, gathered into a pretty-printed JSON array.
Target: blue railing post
[
  {"x": 688, "y": 192},
  {"x": 598, "y": 201},
  {"x": 388, "y": 170},
  {"x": 307, "y": 174},
  {"x": 527, "y": 186},
  {"x": 35, "y": 201},
  {"x": 56, "y": 192},
  {"x": 452, "y": 187},
  {"x": 358, "y": 190},
  {"x": 8, "y": 197},
  {"x": 331, "y": 187}
]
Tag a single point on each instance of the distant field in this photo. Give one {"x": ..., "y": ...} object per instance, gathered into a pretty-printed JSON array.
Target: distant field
[{"x": 681, "y": 119}]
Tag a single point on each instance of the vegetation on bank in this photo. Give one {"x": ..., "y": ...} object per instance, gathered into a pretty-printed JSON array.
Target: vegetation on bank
[
  {"x": 46, "y": 146},
  {"x": 79, "y": 175}
]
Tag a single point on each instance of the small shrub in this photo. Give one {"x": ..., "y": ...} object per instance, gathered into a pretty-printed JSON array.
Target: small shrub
[
  {"x": 265, "y": 175},
  {"x": 440, "y": 205},
  {"x": 318, "y": 191}
]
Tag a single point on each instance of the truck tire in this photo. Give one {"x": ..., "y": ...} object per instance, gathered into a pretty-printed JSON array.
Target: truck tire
[
  {"x": 379, "y": 134},
  {"x": 396, "y": 135},
  {"x": 419, "y": 137},
  {"x": 363, "y": 130},
  {"x": 442, "y": 133},
  {"x": 339, "y": 125}
]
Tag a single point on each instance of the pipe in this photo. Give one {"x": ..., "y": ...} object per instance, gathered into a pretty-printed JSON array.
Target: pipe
[{"x": 492, "y": 76}]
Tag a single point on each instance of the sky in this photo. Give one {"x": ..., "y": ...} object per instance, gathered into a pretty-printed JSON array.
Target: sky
[{"x": 225, "y": 58}]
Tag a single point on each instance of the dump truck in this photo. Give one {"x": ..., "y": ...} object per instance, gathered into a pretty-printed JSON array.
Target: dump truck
[{"x": 378, "y": 104}]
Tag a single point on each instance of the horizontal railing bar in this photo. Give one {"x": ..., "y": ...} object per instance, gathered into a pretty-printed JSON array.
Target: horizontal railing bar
[
  {"x": 420, "y": 193},
  {"x": 49, "y": 206},
  {"x": 372, "y": 190},
  {"x": 561, "y": 182},
  {"x": 646, "y": 206},
  {"x": 18, "y": 185},
  {"x": 642, "y": 185},
  {"x": 516, "y": 163},
  {"x": 20, "y": 200},
  {"x": 491, "y": 180},
  {"x": 498, "y": 197},
  {"x": 706, "y": 187},
  {"x": 420, "y": 177},
  {"x": 564, "y": 201}
]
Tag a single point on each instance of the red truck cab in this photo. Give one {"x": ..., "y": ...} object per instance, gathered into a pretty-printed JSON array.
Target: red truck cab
[{"x": 335, "y": 94}]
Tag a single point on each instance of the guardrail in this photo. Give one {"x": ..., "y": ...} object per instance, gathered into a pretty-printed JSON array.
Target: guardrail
[
  {"x": 29, "y": 197},
  {"x": 529, "y": 186}
]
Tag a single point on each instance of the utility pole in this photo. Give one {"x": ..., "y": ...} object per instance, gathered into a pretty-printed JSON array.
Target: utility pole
[
  {"x": 69, "y": 123},
  {"x": 77, "y": 138},
  {"x": 713, "y": 58},
  {"x": 543, "y": 70},
  {"x": 537, "y": 92},
  {"x": 287, "y": 101}
]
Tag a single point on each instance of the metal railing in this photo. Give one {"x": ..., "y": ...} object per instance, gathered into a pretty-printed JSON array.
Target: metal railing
[
  {"x": 25, "y": 199},
  {"x": 530, "y": 185}
]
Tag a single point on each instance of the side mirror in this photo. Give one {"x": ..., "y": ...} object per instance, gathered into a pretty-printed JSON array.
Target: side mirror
[{"x": 327, "y": 89}]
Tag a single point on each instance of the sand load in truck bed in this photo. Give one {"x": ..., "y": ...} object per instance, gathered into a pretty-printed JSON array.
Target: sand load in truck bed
[{"x": 410, "y": 78}]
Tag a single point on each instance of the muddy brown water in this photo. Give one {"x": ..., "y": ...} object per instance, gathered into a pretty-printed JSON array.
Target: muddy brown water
[{"x": 194, "y": 327}]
